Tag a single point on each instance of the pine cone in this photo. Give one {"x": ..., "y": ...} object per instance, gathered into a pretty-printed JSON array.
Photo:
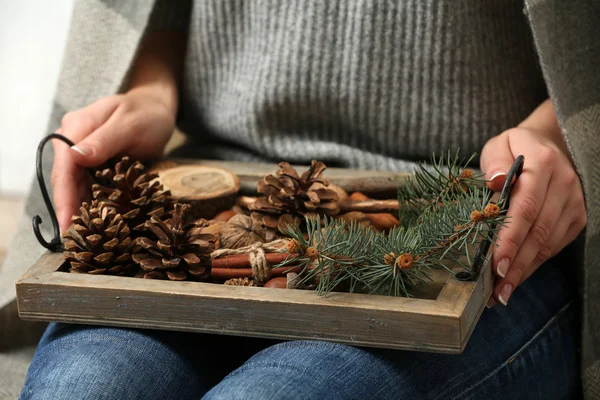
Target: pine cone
[
  {"x": 99, "y": 242},
  {"x": 240, "y": 282},
  {"x": 132, "y": 192},
  {"x": 288, "y": 197},
  {"x": 182, "y": 251}
]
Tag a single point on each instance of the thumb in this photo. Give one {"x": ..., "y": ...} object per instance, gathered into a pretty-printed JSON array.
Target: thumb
[
  {"x": 105, "y": 142},
  {"x": 496, "y": 160}
]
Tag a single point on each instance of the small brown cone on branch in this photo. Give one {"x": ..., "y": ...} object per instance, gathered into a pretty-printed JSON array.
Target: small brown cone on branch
[
  {"x": 182, "y": 251},
  {"x": 99, "y": 242},
  {"x": 132, "y": 192},
  {"x": 288, "y": 197}
]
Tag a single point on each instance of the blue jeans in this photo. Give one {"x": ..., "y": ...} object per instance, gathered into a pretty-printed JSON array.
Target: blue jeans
[{"x": 524, "y": 351}]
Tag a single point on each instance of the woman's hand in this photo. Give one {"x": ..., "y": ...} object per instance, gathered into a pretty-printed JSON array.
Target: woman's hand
[
  {"x": 138, "y": 123},
  {"x": 547, "y": 209}
]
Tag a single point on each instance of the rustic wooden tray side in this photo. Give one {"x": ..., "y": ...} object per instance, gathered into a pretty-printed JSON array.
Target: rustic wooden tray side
[
  {"x": 441, "y": 319},
  {"x": 440, "y": 325}
]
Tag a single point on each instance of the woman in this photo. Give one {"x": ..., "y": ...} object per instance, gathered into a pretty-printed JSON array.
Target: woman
[{"x": 356, "y": 85}]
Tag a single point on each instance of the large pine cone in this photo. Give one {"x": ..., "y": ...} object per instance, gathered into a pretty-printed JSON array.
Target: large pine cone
[
  {"x": 182, "y": 251},
  {"x": 132, "y": 192},
  {"x": 288, "y": 196},
  {"x": 99, "y": 242}
]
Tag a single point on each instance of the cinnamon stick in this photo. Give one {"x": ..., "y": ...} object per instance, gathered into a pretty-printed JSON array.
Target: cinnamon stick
[
  {"x": 228, "y": 273},
  {"x": 243, "y": 260},
  {"x": 381, "y": 221},
  {"x": 369, "y": 206},
  {"x": 347, "y": 205}
]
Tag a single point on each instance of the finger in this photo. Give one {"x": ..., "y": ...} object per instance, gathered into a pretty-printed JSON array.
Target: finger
[
  {"x": 105, "y": 142},
  {"x": 527, "y": 198},
  {"x": 537, "y": 243},
  {"x": 64, "y": 188},
  {"x": 66, "y": 180},
  {"x": 557, "y": 242},
  {"x": 80, "y": 124},
  {"x": 565, "y": 235},
  {"x": 496, "y": 160},
  {"x": 576, "y": 207}
]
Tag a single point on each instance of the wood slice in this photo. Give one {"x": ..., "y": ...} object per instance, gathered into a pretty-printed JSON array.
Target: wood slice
[{"x": 208, "y": 189}]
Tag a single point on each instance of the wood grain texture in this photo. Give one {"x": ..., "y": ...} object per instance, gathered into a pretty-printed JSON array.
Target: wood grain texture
[
  {"x": 209, "y": 189},
  {"x": 442, "y": 324},
  {"x": 378, "y": 184}
]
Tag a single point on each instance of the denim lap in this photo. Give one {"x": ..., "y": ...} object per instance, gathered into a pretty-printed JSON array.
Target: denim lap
[{"x": 527, "y": 349}]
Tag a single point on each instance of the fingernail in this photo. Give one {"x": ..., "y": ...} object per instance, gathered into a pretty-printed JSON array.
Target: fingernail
[
  {"x": 491, "y": 303},
  {"x": 502, "y": 267},
  {"x": 498, "y": 174},
  {"x": 505, "y": 293},
  {"x": 79, "y": 150}
]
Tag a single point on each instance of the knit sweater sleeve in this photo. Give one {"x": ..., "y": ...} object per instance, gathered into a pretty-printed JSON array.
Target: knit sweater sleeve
[{"x": 169, "y": 14}]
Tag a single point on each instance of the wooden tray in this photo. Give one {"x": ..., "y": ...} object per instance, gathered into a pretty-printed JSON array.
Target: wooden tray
[{"x": 440, "y": 319}]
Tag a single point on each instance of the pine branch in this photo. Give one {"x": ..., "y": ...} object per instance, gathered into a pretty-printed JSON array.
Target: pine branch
[
  {"x": 332, "y": 253},
  {"x": 445, "y": 210},
  {"x": 433, "y": 184}
]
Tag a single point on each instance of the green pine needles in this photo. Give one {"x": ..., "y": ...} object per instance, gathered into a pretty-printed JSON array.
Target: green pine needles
[{"x": 445, "y": 211}]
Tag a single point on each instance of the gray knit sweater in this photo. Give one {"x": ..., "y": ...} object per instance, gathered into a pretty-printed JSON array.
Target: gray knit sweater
[{"x": 356, "y": 84}]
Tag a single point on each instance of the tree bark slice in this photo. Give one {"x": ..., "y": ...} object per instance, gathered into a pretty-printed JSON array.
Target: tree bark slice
[{"x": 208, "y": 189}]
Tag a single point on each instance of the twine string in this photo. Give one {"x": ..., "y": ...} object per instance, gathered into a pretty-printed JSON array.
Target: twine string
[{"x": 261, "y": 270}]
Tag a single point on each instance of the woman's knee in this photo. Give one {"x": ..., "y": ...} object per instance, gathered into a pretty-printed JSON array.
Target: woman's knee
[
  {"x": 309, "y": 370},
  {"x": 106, "y": 363}
]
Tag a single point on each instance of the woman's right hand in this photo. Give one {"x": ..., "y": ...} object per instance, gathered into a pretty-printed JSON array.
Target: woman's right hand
[{"x": 138, "y": 123}]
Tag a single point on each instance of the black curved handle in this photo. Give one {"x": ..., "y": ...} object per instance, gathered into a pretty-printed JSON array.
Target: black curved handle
[
  {"x": 503, "y": 202},
  {"x": 55, "y": 244}
]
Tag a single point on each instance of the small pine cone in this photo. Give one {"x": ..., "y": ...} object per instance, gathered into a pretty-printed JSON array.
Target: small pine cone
[
  {"x": 491, "y": 211},
  {"x": 405, "y": 261},
  {"x": 293, "y": 246},
  {"x": 476, "y": 216},
  {"x": 466, "y": 174},
  {"x": 99, "y": 242},
  {"x": 311, "y": 253},
  {"x": 182, "y": 251},
  {"x": 240, "y": 282},
  {"x": 133, "y": 192},
  {"x": 390, "y": 258}
]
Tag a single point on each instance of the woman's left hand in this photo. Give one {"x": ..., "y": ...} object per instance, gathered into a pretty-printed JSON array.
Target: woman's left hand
[{"x": 547, "y": 209}]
